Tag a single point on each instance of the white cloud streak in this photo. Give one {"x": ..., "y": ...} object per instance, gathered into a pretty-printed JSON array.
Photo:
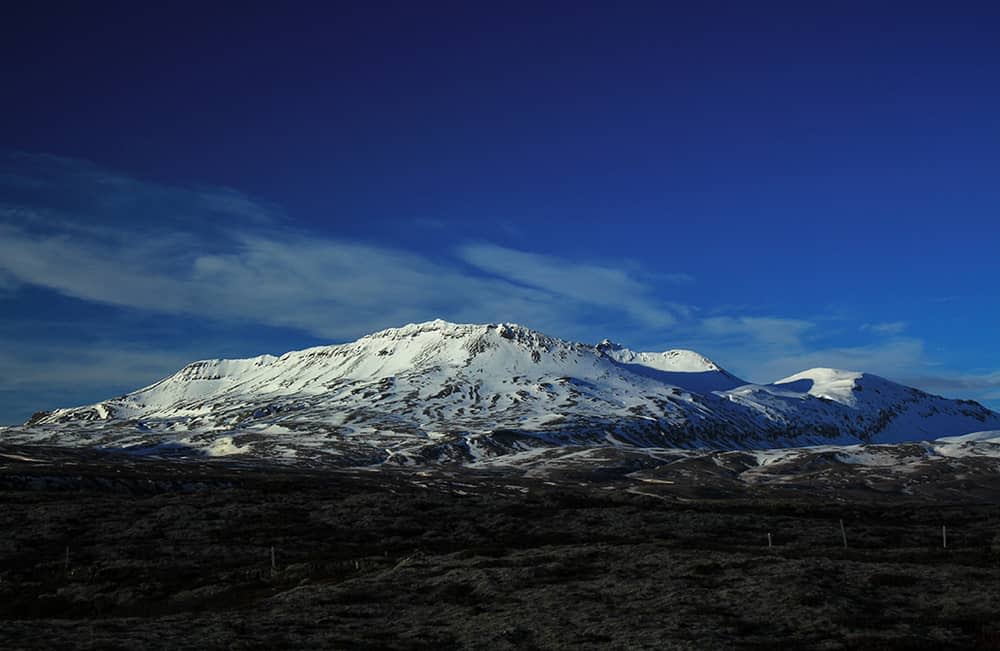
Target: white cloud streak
[
  {"x": 603, "y": 286},
  {"x": 66, "y": 366},
  {"x": 767, "y": 331},
  {"x": 985, "y": 384},
  {"x": 327, "y": 287},
  {"x": 890, "y": 328},
  {"x": 215, "y": 253}
]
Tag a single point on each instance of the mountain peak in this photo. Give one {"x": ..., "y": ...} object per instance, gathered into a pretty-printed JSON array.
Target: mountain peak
[
  {"x": 607, "y": 344},
  {"x": 450, "y": 329},
  {"x": 412, "y": 329},
  {"x": 823, "y": 373},
  {"x": 829, "y": 383}
]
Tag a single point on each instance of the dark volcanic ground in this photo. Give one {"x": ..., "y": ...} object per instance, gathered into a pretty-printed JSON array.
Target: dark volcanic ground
[{"x": 114, "y": 553}]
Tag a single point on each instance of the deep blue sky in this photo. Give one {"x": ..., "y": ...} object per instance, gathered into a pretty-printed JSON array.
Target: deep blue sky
[{"x": 776, "y": 185}]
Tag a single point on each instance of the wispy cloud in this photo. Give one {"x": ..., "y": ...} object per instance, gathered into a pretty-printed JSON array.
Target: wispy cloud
[
  {"x": 603, "y": 286},
  {"x": 42, "y": 191},
  {"x": 102, "y": 237},
  {"x": 768, "y": 331},
  {"x": 67, "y": 365},
  {"x": 986, "y": 384},
  {"x": 327, "y": 287},
  {"x": 214, "y": 253},
  {"x": 7, "y": 283},
  {"x": 889, "y": 328}
]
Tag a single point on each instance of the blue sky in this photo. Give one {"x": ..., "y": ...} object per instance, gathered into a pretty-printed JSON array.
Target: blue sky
[{"x": 778, "y": 186}]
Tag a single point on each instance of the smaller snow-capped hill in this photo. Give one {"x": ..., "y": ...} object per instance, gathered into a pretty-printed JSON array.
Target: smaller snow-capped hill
[
  {"x": 829, "y": 383},
  {"x": 444, "y": 391},
  {"x": 682, "y": 367},
  {"x": 883, "y": 410},
  {"x": 679, "y": 360}
]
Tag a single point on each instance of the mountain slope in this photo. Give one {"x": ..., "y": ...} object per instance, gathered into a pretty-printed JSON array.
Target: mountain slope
[{"x": 443, "y": 391}]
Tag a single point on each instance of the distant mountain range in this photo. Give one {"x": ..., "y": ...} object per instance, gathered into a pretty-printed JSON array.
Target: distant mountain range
[{"x": 438, "y": 391}]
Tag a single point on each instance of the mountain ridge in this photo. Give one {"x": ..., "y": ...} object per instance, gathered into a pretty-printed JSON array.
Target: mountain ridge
[{"x": 445, "y": 391}]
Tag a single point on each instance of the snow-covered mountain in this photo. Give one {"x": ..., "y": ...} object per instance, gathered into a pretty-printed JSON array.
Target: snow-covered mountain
[{"x": 439, "y": 391}]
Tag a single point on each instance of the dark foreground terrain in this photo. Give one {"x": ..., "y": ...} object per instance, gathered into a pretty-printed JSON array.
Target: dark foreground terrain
[{"x": 108, "y": 553}]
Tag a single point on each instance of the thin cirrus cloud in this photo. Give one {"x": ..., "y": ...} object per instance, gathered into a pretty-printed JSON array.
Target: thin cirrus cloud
[
  {"x": 599, "y": 285},
  {"x": 7, "y": 283},
  {"x": 888, "y": 328},
  {"x": 72, "y": 227},
  {"x": 985, "y": 384},
  {"x": 104, "y": 272},
  {"x": 126, "y": 366},
  {"x": 767, "y": 331},
  {"x": 326, "y": 287},
  {"x": 42, "y": 190}
]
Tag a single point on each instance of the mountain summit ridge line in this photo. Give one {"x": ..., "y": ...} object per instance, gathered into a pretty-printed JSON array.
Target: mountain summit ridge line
[{"x": 441, "y": 391}]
